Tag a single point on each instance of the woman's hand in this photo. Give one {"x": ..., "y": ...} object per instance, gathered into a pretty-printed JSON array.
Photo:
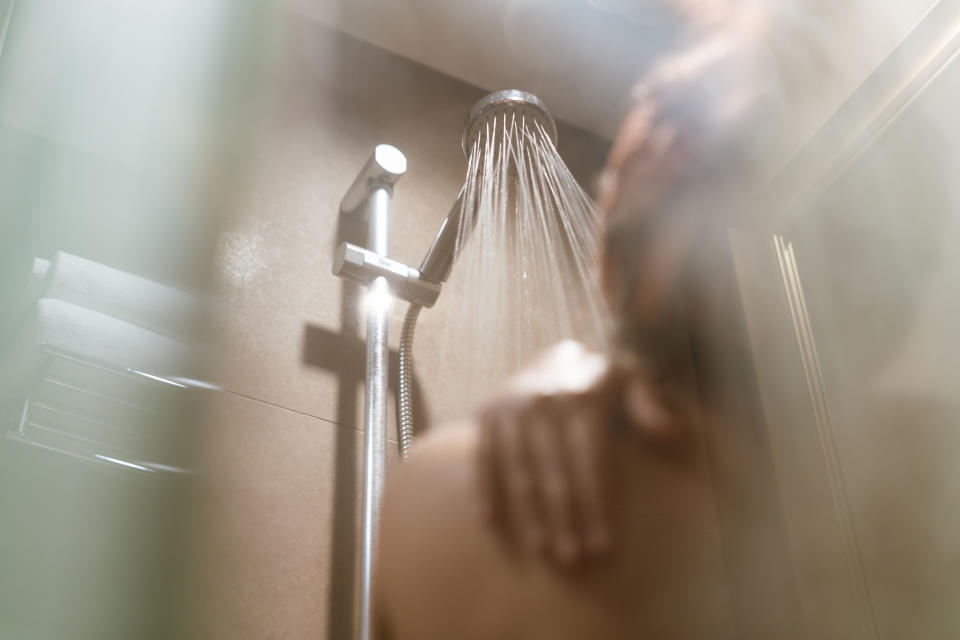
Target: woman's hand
[{"x": 543, "y": 448}]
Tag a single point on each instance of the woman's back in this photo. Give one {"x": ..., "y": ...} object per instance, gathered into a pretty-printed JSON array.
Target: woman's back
[{"x": 443, "y": 575}]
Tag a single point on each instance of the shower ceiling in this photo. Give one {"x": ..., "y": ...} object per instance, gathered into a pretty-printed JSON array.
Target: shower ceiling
[
  {"x": 580, "y": 56},
  {"x": 583, "y": 56}
]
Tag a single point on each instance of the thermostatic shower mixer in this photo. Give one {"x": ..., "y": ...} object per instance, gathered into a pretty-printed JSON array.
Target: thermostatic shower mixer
[{"x": 362, "y": 265}]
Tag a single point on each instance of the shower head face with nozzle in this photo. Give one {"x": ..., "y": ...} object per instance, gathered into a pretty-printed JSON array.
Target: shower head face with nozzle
[
  {"x": 492, "y": 110},
  {"x": 502, "y": 105},
  {"x": 524, "y": 237}
]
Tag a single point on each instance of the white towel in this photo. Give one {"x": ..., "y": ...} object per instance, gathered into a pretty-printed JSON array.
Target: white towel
[
  {"x": 90, "y": 335},
  {"x": 137, "y": 300}
]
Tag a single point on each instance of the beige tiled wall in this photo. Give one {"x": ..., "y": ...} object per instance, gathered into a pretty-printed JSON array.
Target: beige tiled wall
[{"x": 280, "y": 504}]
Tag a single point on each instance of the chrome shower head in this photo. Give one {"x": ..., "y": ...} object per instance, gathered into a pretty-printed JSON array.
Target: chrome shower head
[
  {"x": 438, "y": 262},
  {"x": 502, "y": 103}
]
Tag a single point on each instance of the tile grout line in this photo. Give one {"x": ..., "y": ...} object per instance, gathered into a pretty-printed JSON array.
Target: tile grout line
[{"x": 302, "y": 413}]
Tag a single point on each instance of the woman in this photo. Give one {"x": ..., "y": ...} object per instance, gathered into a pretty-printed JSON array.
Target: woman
[
  {"x": 685, "y": 158},
  {"x": 547, "y": 450}
]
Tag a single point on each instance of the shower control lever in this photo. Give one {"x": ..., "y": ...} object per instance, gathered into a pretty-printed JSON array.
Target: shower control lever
[
  {"x": 382, "y": 170},
  {"x": 365, "y": 266}
]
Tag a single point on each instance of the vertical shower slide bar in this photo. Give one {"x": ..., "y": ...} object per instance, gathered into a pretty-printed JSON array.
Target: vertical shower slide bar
[{"x": 371, "y": 191}]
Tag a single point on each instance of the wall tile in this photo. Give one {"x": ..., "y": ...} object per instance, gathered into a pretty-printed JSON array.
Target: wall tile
[
  {"x": 277, "y": 519},
  {"x": 287, "y": 329}
]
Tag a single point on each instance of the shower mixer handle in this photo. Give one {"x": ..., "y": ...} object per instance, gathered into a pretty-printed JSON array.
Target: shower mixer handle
[
  {"x": 365, "y": 266},
  {"x": 385, "y": 166}
]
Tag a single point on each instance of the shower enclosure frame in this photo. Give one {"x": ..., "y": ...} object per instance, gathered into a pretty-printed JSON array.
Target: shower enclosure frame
[{"x": 782, "y": 337}]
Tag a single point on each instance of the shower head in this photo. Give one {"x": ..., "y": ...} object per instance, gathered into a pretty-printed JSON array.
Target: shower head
[
  {"x": 501, "y": 103},
  {"x": 438, "y": 262}
]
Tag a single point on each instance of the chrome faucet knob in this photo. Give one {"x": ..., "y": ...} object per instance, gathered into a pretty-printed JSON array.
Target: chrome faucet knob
[{"x": 382, "y": 170}]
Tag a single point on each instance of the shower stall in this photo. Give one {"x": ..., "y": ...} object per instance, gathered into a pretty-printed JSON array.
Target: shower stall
[{"x": 195, "y": 416}]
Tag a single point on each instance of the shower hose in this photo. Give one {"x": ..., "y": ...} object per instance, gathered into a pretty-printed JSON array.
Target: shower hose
[{"x": 405, "y": 394}]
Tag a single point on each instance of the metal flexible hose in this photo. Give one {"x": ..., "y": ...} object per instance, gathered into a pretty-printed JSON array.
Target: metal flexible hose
[{"x": 405, "y": 394}]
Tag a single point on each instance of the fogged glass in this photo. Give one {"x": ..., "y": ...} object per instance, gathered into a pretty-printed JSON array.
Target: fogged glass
[
  {"x": 113, "y": 117},
  {"x": 853, "y": 311}
]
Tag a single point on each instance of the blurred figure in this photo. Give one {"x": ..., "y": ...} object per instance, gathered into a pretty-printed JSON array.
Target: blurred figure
[
  {"x": 682, "y": 169},
  {"x": 583, "y": 444}
]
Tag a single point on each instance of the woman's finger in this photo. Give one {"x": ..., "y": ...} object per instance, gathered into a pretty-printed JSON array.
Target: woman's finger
[
  {"x": 490, "y": 492},
  {"x": 517, "y": 478},
  {"x": 586, "y": 440},
  {"x": 553, "y": 490}
]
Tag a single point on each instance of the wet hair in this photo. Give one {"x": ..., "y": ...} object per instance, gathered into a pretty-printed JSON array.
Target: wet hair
[{"x": 685, "y": 160}]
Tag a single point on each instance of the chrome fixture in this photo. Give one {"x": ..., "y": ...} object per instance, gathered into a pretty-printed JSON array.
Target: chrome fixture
[
  {"x": 522, "y": 103},
  {"x": 371, "y": 192},
  {"x": 437, "y": 264}
]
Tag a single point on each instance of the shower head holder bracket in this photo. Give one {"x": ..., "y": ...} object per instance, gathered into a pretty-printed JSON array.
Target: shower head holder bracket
[{"x": 364, "y": 266}]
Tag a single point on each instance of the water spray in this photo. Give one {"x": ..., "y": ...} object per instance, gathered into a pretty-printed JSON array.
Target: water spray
[{"x": 537, "y": 231}]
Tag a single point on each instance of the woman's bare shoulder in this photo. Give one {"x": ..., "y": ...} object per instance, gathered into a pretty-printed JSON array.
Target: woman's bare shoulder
[
  {"x": 435, "y": 480},
  {"x": 455, "y": 438},
  {"x": 434, "y": 548},
  {"x": 431, "y": 538}
]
